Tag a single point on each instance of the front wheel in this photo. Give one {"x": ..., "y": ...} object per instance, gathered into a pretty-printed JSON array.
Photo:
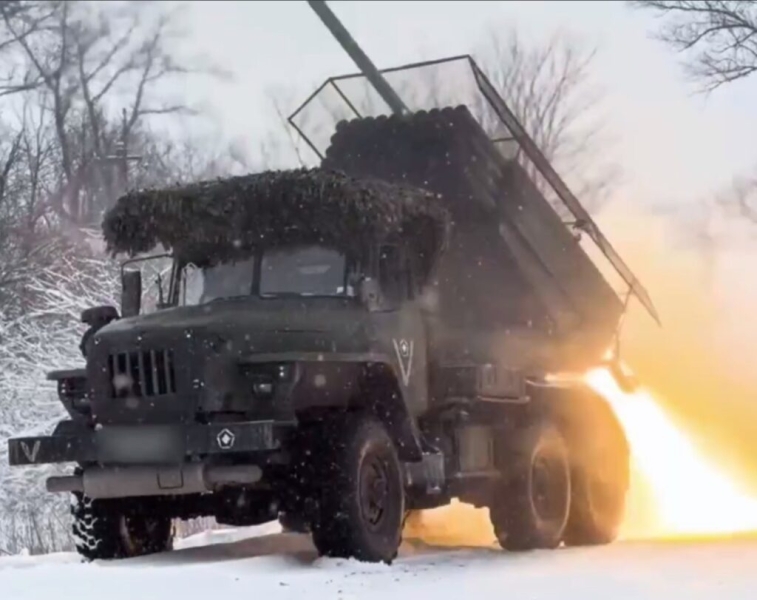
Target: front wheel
[
  {"x": 103, "y": 531},
  {"x": 532, "y": 503},
  {"x": 361, "y": 493}
]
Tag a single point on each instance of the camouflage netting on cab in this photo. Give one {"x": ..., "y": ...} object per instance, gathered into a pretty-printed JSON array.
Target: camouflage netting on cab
[{"x": 218, "y": 218}]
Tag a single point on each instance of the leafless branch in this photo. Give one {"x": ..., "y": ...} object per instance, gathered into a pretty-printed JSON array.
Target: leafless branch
[
  {"x": 18, "y": 22},
  {"x": 718, "y": 38},
  {"x": 739, "y": 199},
  {"x": 549, "y": 88},
  {"x": 293, "y": 142},
  {"x": 86, "y": 64}
]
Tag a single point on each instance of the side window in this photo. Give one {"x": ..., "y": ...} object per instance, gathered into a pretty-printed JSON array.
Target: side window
[{"x": 392, "y": 277}]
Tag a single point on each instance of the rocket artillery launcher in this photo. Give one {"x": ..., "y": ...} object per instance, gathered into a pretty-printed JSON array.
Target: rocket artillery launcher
[
  {"x": 343, "y": 344},
  {"x": 515, "y": 280}
]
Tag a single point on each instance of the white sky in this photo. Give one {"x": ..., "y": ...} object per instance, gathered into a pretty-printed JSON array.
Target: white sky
[{"x": 674, "y": 146}]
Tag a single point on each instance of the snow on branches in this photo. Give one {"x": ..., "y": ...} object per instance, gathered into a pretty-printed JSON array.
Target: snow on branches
[{"x": 42, "y": 338}]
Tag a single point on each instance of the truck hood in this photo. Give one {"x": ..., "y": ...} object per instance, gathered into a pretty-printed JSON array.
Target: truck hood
[
  {"x": 249, "y": 314},
  {"x": 253, "y": 324}
]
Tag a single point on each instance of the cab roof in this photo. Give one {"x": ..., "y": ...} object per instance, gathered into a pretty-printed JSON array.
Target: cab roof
[{"x": 218, "y": 218}]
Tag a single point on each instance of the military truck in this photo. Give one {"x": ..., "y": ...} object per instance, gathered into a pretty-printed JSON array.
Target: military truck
[
  {"x": 341, "y": 345},
  {"x": 300, "y": 364}
]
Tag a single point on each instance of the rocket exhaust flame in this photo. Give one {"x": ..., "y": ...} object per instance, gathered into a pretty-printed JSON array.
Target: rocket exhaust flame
[{"x": 689, "y": 495}]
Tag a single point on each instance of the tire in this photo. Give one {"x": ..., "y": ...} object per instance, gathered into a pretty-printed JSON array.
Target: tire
[
  {"x": 361, "y": 498},
  {"x": 531, "y": 505},
  {"x": 601, "y": 478},
  {"x": 598, "y": 510},
  {"x": 102, "y": 532}
]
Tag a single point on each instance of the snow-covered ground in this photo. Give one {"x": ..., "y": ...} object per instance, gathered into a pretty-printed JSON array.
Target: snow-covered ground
[{"x": 263, "y": 563}]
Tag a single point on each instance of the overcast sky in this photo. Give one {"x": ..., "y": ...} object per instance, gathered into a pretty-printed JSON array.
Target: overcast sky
[{"x": 674, "y": 145}]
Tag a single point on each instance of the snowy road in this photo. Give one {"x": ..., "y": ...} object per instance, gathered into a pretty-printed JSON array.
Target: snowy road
[{"x": 284, "y": 566}]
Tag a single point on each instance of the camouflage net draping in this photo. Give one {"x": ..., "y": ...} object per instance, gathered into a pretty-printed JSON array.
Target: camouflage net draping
[{"x": 210, "y": 220}]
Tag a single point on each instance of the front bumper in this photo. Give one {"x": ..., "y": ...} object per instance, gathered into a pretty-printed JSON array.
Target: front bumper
[{"x": 148, "y": 444}]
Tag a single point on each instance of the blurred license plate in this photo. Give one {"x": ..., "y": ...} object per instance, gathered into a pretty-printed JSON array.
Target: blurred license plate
[{"x": 144, "y": 444}]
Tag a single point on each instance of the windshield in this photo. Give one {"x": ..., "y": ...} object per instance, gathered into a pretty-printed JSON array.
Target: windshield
[
  {"x": 223, "y": 280},
  {"x": 307, "y": 271},
  {"x": 303, "y": 271}
]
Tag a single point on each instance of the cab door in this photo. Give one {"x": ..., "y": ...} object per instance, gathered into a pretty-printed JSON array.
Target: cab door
[{"x": 400, "y": 327}]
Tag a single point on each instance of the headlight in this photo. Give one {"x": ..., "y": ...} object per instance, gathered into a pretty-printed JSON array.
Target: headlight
[
  {"x": 263, "y": 378},
  {"x": 80, "y": 403},
  {"x": 262, "y": 388},
  {"x": 73, "y": 390}
]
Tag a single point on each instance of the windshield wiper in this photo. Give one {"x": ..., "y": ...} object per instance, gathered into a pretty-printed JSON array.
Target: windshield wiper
[
  {"x": 302, "y": 295},
  {"x": 222, "y": 298}
]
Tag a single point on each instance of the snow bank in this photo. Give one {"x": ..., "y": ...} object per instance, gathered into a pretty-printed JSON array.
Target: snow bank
[
  {"x": 255, "y": 563},
  {"x": 226, "y": 535}
]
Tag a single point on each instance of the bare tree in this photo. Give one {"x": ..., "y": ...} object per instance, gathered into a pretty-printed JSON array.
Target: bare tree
[
  {"x": 550, "y": 89},
  {"x": 15, "y": 76},
  {"x": 28, "y": 239},
  {"x": 738, "y": 199},
  {"x": 80, "y": 84},
  {"x": 187, "y": 159},
  {"x": 102, "y": 70},
  {"x": 717, "y": 37}
]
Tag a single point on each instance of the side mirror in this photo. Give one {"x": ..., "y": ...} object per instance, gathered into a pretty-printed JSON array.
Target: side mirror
[
  {"x": 131, "y": 293},
  {"x": 99, "y": 315},
  {"x": 369, "y": 293}
]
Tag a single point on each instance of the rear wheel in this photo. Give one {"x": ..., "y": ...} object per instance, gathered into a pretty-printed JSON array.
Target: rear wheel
[
  {"x": 102, "y": 531},
  {"x": 598, "y": 510},
  {"x": 361, "y": 500},
  {"x": 532, "y": 503},
  {"x": 601, "y": 476}
]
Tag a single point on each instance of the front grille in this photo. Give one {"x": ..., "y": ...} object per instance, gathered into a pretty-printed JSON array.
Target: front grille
[{"x": 142, "y": 374}]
